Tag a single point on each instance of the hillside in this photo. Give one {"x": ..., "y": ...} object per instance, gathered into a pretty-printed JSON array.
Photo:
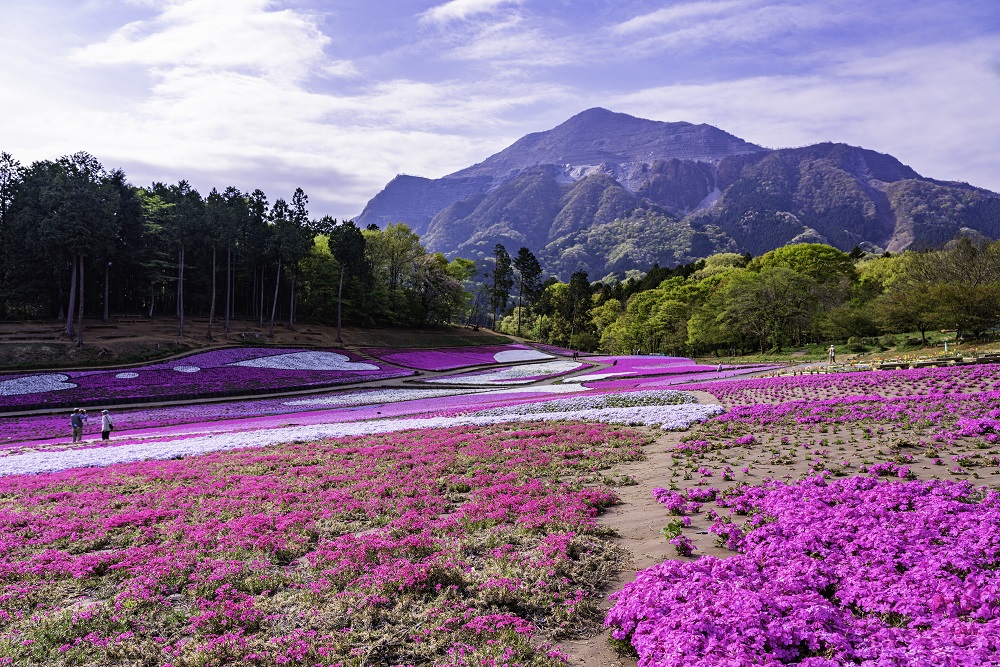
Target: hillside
[{"x": 608, "y": 192}]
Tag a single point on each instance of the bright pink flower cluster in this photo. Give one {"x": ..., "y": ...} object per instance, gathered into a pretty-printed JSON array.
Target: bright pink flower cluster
[
  {"x": 858, "y": 571},
  {"x": 463, "y": 540}
]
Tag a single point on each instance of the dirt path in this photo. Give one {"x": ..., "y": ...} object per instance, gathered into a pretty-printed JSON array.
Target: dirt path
[{"x": 638, "y": 520}]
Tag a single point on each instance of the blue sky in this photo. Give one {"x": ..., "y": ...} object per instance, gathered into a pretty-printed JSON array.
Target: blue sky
[{"x": 338, "y": 97}]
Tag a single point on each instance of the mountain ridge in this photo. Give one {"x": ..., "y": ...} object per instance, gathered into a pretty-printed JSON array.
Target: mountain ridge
[{"x": 609, "y": 192}]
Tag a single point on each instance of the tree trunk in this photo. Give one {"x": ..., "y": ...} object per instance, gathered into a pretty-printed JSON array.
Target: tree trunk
[
  {"x": 260, "y": 307},
  {"x": 79, "y": 320},
  {"x": 291, "y": 305},
  {"x": 152, "y": 299},
  {"x": 274, "y": 304},
  {"x": 107, "y": 310},
  {"x": 229, "y": 262},
  {"x": 72, "y": 300},
  {"x": 211, "y": 309},
  {"x": 340, "y": 293},
  {"x": 180, "y": 289}
]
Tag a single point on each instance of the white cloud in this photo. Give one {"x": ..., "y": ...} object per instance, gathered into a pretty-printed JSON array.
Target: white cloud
[
  {"x": 925, "y": 105},
  {"x": 655, "y": 20},
  {"x": 217, "y": 34},
  {"x": 461, "y": 10}
]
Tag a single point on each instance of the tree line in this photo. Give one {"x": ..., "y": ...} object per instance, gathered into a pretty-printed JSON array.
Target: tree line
[
  {"x": 76, "y": 238},
  {"x": 729, "y": 304}
]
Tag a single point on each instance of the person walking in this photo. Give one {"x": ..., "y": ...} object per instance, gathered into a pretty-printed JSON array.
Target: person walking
[
  {"x": 106, "y": 425},
  {"x": 833, "y": 355}
]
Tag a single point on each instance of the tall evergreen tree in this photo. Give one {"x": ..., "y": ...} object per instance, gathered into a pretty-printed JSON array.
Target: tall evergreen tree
[
  {"x": 347, "y": 245},
  {"x": 501, "y": 281},
  {"x": 529, "y": 281}
]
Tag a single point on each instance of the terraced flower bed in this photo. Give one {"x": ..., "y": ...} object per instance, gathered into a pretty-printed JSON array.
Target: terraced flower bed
[
  {"x": 512, "y": 374},
  {"x": 857, "y": 571},
  {"x": 446, "y": 359},
  {"x": 467, "y": 546},
  {"x": 237, "y": 371}
]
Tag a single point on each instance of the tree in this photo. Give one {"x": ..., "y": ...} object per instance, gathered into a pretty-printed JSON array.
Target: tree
[
  {"x": 347, "y": 245},
  {"x": 771, "y": 305},
  {"x": 501, "y": 281},
  {"x": 529, "y": 283},
  {"x": 579, "y": 304}
]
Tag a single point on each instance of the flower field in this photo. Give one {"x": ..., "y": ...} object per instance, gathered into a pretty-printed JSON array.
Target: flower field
[
  {"x": 857, "y": 571},
  {"x": 215, "y": 373},
  {"x": 848, "y": 519},
  {"x": 822, "y": 520},
  {"x": 446, "y": 359},
  {"x": 512, "y": 374},
  {"x": 460, "y": 547}
]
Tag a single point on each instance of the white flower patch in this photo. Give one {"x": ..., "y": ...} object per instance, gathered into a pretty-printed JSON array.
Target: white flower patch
[
  {"x": 632, "y": 399},
  {"x": 508, "y": 356},
  {"x": 187, "y": 369},
  {"x": 568, "y": 388},
  {"x": 128, "y": 375},
  {"x": 600, "y": 376},
  {"x": 35, "y": 384},
  {"x": 378, "y": 397},
  {"x": 307, "y": 361},
  {"x": 667, "y": 417},
  {"x": 513, "y": 375}
]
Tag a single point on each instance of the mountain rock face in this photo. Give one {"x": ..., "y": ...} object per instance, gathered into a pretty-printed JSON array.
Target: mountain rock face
[{"x": 608, "y": 192}]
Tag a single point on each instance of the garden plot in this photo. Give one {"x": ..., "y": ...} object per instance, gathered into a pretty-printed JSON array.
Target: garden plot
[
  {"x": 219, "y": 372},
  {"x": 833, "y": 531},
  {"x": 512, "y": 375},
  {"x": 446, "y": 359},
  {"x": 465, "y": 546}
]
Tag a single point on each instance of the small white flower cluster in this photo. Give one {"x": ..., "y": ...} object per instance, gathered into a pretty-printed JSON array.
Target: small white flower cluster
[
  {"x": 379, "y": 397},
  {"x": 508, "y": 356},
  {"x": 35, "y": 384},
  {"x": 512, "y": 375},
  {"x": 307, "y": 361},
  {"x": 632, "y": 399}
]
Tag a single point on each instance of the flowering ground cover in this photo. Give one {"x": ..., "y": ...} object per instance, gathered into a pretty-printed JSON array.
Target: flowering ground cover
[
  {"x": 607, "y": 379},
  {"x": 512, "y": 374},
  {"x": 879, "y": 547},
  {"x": 907, "y": 382},
  {"x": 201, "y": 438},
  {"x": 857, "y": 571},
  {"x": 445, "y": 359},
  {"x": 23, "y": 429},
  {"x": 467, "y": 546},
  {"x": 218, "y": 372}
]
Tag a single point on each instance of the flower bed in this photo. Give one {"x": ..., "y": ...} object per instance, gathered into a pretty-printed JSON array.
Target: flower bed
[
  {"x": 467, "y": 546},
  {"x": 859, "y": 571},
  {"x": 513, "y": 374},
  {"x": 236, "y": 371},
  {"x": 907, "y": 382},
  {"x": 197, "y": 438},
  {"x": 445, "y": 359},
  {"x": 604, "y": 379}
]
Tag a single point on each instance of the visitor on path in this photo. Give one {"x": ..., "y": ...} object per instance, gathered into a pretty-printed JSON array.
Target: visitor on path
[
  {"x": 833, "y": 355},
  {"x": 106, "y": 425},
  {"x": 76, "y": 421}
]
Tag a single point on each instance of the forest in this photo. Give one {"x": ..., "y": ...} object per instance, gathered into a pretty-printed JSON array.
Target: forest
[{"x": 76, "y": 239}]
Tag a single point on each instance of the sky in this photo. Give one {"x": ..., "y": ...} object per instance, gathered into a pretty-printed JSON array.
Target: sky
[{"x": 338, "y": 97}]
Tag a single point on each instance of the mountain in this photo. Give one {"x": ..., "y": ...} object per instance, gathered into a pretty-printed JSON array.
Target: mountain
[{"x": 608, "y": 192}]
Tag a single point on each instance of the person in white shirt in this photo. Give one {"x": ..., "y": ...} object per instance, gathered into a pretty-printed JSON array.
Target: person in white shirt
[{"x": 106, "y": 425}]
